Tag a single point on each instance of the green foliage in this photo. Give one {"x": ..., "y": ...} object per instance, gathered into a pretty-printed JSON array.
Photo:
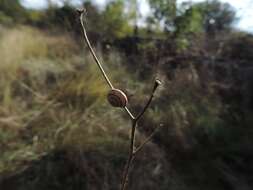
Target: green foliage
[
  {"x": 217, "y": 16},
  {"x": 4, "y": 19},
  {"x": 188, "y": 25},
  {"x": 189, "y": 22},
  {"x": 34, "y": 17},
  {"x": 115, "y": 23},
  {"x": 103, "y": 25},
  {"x": 13, "y": 9},
  {"x": 164, "y": 12},
  {"x": 62, "y": 17},
  {"x": 133, "y": 9},
  {"x": 202, "y": 18},
  {"x": 94, "y": 18}
]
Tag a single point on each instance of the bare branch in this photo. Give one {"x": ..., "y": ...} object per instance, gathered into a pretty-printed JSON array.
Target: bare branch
[
  {"x": 157, "y": 83},
  {"x": 81, "y": 13},
  {"x": 132, "y": 151},
  {"x": 130, "y": 157},
  {"x": 138, "y": 149},
  {"x": 129, "y": 113}
]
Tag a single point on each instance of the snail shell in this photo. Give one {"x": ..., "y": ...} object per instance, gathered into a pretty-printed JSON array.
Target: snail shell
[{"x": 117, "y": 98}]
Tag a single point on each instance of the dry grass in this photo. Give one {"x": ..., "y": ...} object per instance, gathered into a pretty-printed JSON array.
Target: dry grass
[{"x": 51, "y": 97}]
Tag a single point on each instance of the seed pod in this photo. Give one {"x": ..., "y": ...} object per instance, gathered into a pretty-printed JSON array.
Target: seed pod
[{"x": 117, "y": 98}]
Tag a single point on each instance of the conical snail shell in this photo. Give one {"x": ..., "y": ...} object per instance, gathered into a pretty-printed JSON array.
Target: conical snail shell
[{"x": 117, "y": 98}]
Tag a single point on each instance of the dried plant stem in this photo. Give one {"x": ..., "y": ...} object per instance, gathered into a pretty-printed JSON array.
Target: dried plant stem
[
  {"x": 81, "y": 14},
  {"x": 129, "y": 113},
  {"x": 132, "y": 150},
  {"x": 146, "y": 140},
  {"x": 92, "y": 51},
  {"x": 130, "y": 157}
]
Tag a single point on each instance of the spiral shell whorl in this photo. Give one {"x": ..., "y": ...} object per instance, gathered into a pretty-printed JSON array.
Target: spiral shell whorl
[{"x": 117, "y": 98}]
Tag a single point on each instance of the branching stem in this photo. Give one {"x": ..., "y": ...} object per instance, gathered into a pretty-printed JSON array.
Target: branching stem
[
  {"x": 132, "y": 150},
  {"x": 138, "y": 149},
  {"x": 134, "y": 119}
]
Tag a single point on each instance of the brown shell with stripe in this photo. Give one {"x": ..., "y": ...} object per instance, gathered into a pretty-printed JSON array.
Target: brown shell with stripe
[{"x": 117, "y": 98}]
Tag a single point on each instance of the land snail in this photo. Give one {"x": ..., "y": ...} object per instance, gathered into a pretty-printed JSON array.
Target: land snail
[{"x": 117, "y": 98}]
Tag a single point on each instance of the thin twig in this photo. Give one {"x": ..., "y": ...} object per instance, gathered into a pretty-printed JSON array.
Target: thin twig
[
  {"x": 129, "y": 113},
  {"x": 157, "y": 83},
  {"x": 145, "y": 107},
  {"x": 130, "y": 157},
  {"x": 81, "y": 12},
  {"x": 138, "y": 149}
]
